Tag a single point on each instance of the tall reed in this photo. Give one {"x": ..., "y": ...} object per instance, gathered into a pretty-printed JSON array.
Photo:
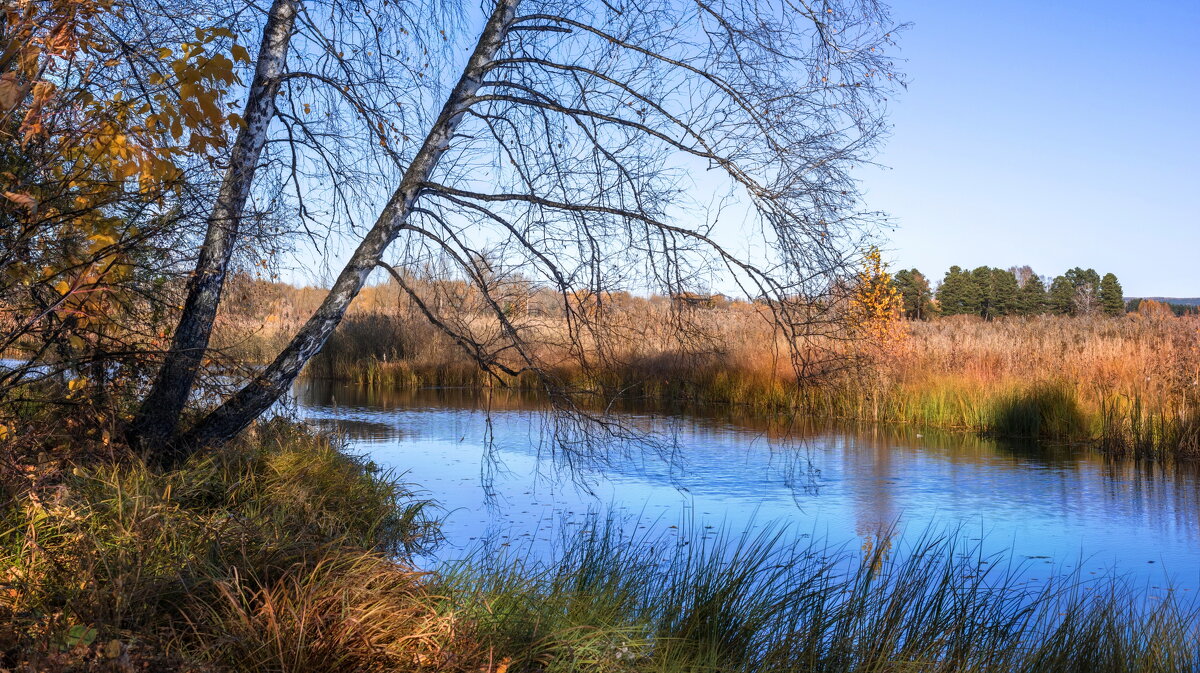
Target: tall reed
[{"x": 1129, "y": 385}]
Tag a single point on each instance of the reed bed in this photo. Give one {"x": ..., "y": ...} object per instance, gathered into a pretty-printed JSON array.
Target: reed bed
[{"x": 1129, "y": 386}]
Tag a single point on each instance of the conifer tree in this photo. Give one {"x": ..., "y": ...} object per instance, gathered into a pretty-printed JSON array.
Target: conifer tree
[
  {"x": 1031, "y": 300},
  {"x": 954, "y": 292},
  {"x": 981, "y": 297},
  {"x": 1112, "y": 299},
  {"x": 1004, "y": 293},
  {"x": 914, "y": 290},
  {"x": 1061, "y": 300}
]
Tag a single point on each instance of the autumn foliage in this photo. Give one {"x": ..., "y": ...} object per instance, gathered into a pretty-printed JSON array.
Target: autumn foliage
[
  {"x": 876, "y": 306},
  {"x": 102, "y": 129}
]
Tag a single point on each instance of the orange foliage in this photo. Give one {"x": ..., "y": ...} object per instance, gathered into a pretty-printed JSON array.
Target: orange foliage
[
  {"x": 79, "y": 147},
  {"x": 876, "y": 306}
]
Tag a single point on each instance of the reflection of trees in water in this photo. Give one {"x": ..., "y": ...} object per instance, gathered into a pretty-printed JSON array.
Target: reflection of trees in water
[
  {"x": 868, "y": 467},
  {"x": 1144, "y": 487},
  {"x": 677, "y": 436},
  {"x": 359, "y": 430},
  {"x": 1083, "y": 481}
]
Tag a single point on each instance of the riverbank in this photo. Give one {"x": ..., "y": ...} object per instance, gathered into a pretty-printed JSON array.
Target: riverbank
[
  {"x": 1127, "y": 385},
  {"x": 282, "y": 553}
]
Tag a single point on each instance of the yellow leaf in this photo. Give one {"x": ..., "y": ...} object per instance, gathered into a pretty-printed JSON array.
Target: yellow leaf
[
  {"x": 62, "y": 287},
  {"x": 239, "y": 53},
  {"x": 102, "y": 240}
]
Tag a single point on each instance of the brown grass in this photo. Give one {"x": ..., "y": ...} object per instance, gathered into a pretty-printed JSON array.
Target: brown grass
[{"x": 1127, "y": 384}]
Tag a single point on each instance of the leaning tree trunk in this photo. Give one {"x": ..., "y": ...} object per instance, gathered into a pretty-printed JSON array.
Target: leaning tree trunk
[
  {"x": 158, "y": 417},
  {"x": 251, "y": 401}
]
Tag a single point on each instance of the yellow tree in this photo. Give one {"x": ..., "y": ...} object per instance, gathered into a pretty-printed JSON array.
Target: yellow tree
[{"x": 876, "y": 305}]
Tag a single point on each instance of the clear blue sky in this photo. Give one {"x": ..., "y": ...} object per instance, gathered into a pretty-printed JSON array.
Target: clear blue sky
[{"x": 1054, "y": 134}]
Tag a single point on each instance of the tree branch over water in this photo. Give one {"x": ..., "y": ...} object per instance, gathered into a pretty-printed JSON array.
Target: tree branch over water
[{"x": 577, "y": 150}]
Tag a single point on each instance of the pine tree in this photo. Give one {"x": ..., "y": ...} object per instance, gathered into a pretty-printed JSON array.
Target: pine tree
[
  {"x": 1005, "y": 291},
  {"x": 953, "y": 294},
  {"x": 982, "y": 298},
  {"x": 1112, "y": 299},
  {"x": 917, "y": 296},
  {"x": 1061, "y": 300},
  {"x": 1032, "y": 300}
]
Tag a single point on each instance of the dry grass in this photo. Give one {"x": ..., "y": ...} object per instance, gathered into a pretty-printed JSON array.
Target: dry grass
[{"x": 276, "y": 554}]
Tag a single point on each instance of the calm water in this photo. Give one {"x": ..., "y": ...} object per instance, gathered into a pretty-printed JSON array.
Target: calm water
[{"x": 503, "y": 480}]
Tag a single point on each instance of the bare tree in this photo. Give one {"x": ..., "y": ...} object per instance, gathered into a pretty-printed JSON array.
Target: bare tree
[
  {"x": 159, "y": 413},
  {"x": 324, "y": 80},
  {"x": 1085, "y": 301},
  {"x": 1022, "y": 274},
  {"x": 575, "y": 138}
]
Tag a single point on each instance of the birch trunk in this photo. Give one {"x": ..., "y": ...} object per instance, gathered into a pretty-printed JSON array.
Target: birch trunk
[
  {"x": 256, "y": 397},
  {"x": 158, "y": 415}
]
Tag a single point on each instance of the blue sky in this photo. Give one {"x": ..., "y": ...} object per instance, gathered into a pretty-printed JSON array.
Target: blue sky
[{"x": 1054, "y": 134}]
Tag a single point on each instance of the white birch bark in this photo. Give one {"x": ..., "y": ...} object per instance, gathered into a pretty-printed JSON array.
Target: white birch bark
[
  {"x": 256, "y": 397},
  {"x": 158, "y": 416}
]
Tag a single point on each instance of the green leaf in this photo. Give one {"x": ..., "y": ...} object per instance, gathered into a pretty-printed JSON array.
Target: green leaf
[{"x": 79, "y": 634}]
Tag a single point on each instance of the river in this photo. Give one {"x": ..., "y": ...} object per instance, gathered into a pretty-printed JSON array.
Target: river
[{"x": 504, "y": 478}]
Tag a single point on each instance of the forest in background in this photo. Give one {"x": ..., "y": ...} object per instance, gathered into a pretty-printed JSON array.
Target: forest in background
[{"x": 991, "y": 292}]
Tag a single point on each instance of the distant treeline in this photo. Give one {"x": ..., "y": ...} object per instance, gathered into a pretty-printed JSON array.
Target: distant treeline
[
  {"x": 1178, "y": 306},
  {"x": 992, "y": 292}
]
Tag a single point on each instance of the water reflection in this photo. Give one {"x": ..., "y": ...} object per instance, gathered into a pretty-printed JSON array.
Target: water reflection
[{"x": 1058, "y": 505}]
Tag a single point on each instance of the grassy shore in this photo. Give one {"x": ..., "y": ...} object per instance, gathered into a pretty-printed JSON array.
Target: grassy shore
[
  {"x": 282, "y": 553},
  {"x": 1127, "y": 385}
]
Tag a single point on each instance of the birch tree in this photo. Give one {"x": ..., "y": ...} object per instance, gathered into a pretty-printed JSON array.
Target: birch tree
[
  {"x": 159, "y": 413},
  {"x": 320, "y": 102},
  {"x": 578, "y": 147}
]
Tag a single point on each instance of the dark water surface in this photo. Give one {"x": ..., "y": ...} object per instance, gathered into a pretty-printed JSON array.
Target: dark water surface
[{"x": 495, "y": 468}]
